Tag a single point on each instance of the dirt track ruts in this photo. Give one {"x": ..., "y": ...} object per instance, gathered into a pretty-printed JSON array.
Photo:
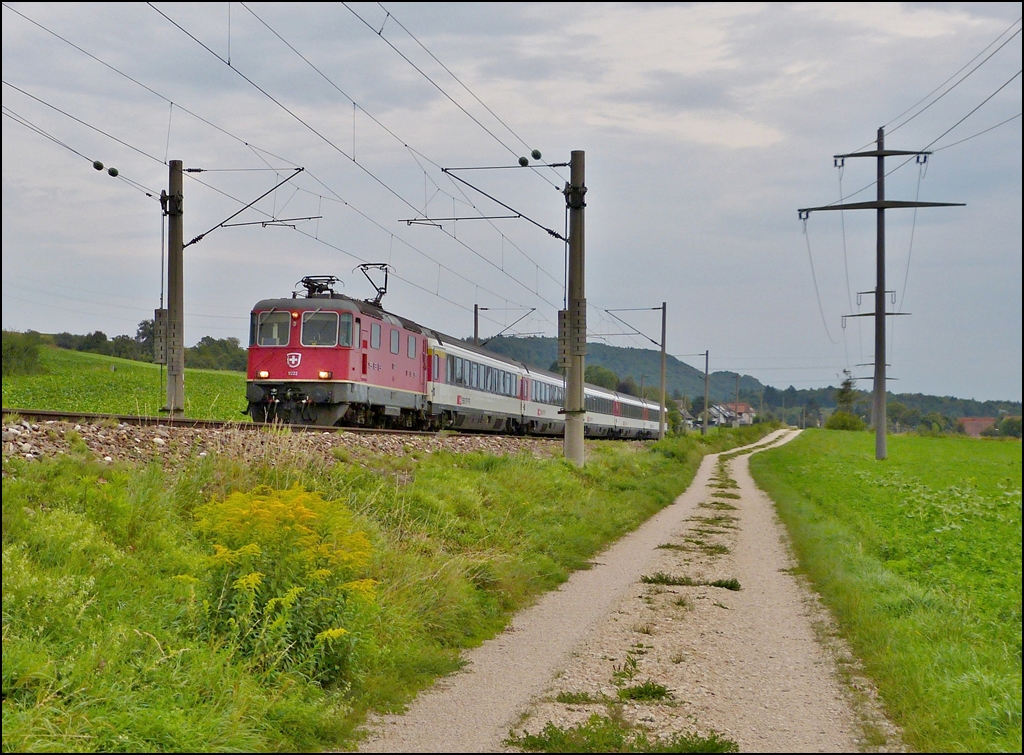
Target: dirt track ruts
[{"x": 754, "y": 665}]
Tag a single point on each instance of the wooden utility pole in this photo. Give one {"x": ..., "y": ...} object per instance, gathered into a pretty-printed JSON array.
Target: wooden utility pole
[
  {"x": 173, "y": 207},
  {"x": 576, "y": 317},
  {"x": 664, "y": 419},
  {"x": 880, "y": 205},
  {"x": 704, "y": 424},
  {"x": 737, "y": 406}
]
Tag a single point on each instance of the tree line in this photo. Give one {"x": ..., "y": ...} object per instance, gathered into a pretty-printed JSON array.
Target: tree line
[{"x": 208, "y": 354}]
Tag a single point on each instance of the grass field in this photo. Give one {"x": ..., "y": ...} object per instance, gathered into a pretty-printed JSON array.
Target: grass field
[
  {"x": 268, "y": 601},
  {"x": 83, "y": 382},
  {"x": 919, "y": 557}
]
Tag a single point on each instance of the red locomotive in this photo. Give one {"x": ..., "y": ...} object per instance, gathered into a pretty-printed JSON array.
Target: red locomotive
[{"x": 327, "y": 359}]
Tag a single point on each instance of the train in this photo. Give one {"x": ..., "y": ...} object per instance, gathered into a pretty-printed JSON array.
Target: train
[{"x": 320, "y": 357}]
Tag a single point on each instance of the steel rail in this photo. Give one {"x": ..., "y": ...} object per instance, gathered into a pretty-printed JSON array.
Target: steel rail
[{"x": 132, "y": 419}]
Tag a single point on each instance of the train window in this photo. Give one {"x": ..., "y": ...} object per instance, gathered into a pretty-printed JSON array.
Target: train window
[
  {"x": 274, "y": 328},
  {"x": 374, "y": 335},
  {"x": 253, "y": 320},
  {"x": 437, "y": 376},
  {"x": 319, "y": 328},
  {"x": 412, "y": 347},
  {"x": 396, "y": 339},
  {"x": 345, "y": 330}
]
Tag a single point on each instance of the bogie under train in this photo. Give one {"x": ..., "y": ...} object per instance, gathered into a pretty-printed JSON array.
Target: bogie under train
[{"x": 327, "y": 359}]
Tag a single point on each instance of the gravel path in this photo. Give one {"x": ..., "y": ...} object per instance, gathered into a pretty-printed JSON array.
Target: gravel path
[{"x": 758, "y": 665}]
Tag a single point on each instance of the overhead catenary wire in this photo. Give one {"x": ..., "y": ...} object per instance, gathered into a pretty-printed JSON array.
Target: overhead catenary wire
[
  {"x": 80, "y": 121},
  {"x": 415, "y": 153},
  {"x": 153, "y": 193},
  {"x": 463, "y": 85},
  {"x": 21, "y": 120},
  {"x": 360, "y": 259},
  {"x": 256, "y": 150},
  {"x": 432, "y": 82},
  {"x": 332, "y": 144}
]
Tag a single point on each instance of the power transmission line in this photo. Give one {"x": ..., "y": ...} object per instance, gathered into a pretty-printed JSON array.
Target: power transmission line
[{"x": 901, "y": 125}]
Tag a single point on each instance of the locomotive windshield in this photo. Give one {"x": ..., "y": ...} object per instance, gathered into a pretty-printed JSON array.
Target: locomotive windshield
[
  {"x": 272, "y": 328},
  {"x": 320, "y": 329}
]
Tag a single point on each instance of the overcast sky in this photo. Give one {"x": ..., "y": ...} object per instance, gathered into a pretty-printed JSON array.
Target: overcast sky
[{"x": 705, "y": 127}]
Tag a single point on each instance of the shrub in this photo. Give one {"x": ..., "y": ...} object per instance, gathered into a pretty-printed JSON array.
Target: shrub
[
  {"x": 841, "y": 420},
  {"x": 21, "y": 353},
  {"x": 1010, "y": 427}
]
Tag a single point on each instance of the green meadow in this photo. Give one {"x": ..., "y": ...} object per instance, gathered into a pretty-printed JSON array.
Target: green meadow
[
  {"x": 919, "y": 558},
  {"x": 78, "y": 381},
  {"x": 267, "y": 600}
]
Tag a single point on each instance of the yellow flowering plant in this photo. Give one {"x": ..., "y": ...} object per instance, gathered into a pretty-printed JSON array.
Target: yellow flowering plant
[{"x": 283, "y": 579}]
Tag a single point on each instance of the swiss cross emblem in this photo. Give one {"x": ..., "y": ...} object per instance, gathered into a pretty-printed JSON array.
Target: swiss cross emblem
[{"x": 293, "y": 359}]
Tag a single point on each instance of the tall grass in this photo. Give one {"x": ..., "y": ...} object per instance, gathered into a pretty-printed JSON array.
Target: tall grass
[
  {"x": 133, "y": 621},
  {"x": 919, "y": 557}
]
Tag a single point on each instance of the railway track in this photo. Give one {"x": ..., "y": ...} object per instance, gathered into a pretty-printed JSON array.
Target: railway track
[{"x": 206, "y": 424}]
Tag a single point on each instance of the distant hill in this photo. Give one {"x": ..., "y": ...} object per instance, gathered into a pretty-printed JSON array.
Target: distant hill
[{"x": 644, "y": 365}]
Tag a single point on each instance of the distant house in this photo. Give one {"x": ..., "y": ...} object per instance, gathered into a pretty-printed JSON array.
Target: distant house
[
  {"x": 720, "y": 415},
  {"x": 974, "y": 426},
  {"x": 684, "y": 412},
  {"x": 742, "y": 412}
]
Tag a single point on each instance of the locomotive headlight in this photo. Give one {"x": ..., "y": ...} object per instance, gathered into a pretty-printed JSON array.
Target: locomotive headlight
[
  {"x": 325, "y": 374},
  {"x": 263, "y": 374}
]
